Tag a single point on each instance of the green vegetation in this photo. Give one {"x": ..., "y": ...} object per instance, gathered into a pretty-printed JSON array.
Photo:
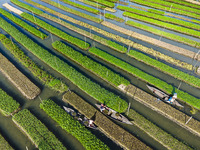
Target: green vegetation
[
  {"x": 93, "y": 4},
  {"x": 173, "y": 10},
  {"x": 163, "y": 24},
  {"x": 165, "y": 68},
  {"x": 90, "y": 64},
  {"x": 161, "y": 18},
  {"x": 163, "y": 137},
  {"x": 67, "y": 123},
  {"x": 156, "y": 11},
  {"x": 36, "y": 131},
  {"x": 7, "y": 104},
  {"x": 89, "y": 9},
  {"x": 44, "y": 77},
  {"x": 104, "y": 2},
  {"x": 93, "y": 89},
  {"x": 75, "y": 12},
  {"x": 113, "y": 17},
  {"x": 75, "y": 41},
  {"x": 146, "y": 77},
  {"x": 184, "y": 3},
  {"x": 164, "y": 34},
  {"x": 4, "y": 144},
  {"x": 23, "y": 24}
]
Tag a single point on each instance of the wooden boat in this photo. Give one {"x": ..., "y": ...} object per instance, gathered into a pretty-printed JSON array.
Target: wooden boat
[
  {"x": 163, "y": 96},
  {"x": 114, "y": 114},
  {"x": 84, "y": 120}
]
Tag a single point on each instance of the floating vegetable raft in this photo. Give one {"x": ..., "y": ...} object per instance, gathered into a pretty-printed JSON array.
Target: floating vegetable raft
[{"x": 23, "y": 84}]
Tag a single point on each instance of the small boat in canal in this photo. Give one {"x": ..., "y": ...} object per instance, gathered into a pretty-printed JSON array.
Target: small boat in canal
[
  {"x": 165, "y": 97},
  {"x": 81, "y": 118},
  {"x": 113, "y": 114}
]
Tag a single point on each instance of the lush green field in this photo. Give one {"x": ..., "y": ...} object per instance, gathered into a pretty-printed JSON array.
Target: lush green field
[
  {"x": 84, "y": 83},
  {"x": 105, "y": 3},
  {"x": 7, "y": 104},
  {"x": 23, "y": 24},
  {"x": 156, "y": 11},
  {"x": 163, "y": 24},
  {"x": 161, "y": 18},
  {"x": 99, "y": 6},
  {"x": 146, "y": 77},
  {"x": 42, "y": 75},
  {"x": 74, "y": 127},
  {"x": 113, "y": 17},
  {"x": 4, "y": 145},
  {"x": 37, "y": 131},
  {"x": 184, "y": 3}
]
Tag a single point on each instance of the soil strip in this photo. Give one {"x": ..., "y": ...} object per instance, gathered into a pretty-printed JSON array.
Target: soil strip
[{"x": 15, "y": 10}]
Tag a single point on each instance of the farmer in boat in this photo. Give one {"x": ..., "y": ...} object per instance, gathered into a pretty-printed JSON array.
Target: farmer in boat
[
  {"x": 91, "y": 123},
  {"x": 103, "y": 107},
  {"x": 172, "y": 99}
]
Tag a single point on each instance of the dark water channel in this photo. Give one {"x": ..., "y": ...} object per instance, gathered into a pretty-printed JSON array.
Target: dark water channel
[{"x": 20, "y": 141}]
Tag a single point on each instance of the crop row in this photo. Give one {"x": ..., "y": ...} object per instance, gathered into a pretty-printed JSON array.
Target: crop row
[
  {"x": 36, "y": 131},
  {"x": 145, "y": 77},
  {"x": 72, "y": 11},
  {"x": 164, "y": 34},
  {"x": 105, "y": 3},
  {"x": 89, "y": 9},
  {"x": 161, "y": 18},
  {"x": 163, "y": 137},
  {"x": 90, "y": 64},
  {"x": 163, "y": 24},
  {"x": 75, "y": 41},
  {"x": 169, "y": 9},
  {"x": 7, "y": 104},
  {"x": 44, "y": 76},
  {"x": 4, "y": 145},
  {"x": 177, "y": 6},
  {"x": 165, "y": 68},
  {"x": 156, "y": 11},
  {"x": 93, "y": 4},
  {"x": 99, "y": 39},
  {"x": 113, "y": 17},
  {"x": 84, "y": 83},
  {"x": 67, "y": 123},
  {"x": 23, "y": 24},
  {"x": 184, "y": 3}
]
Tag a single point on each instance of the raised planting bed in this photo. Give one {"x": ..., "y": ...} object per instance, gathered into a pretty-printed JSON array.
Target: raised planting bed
[
  {"x": 163, "y": 24},
  {"x": 160, "y": 17},
  {"x": 164, "y": 34},
  {"x": 156, "y": 11},
  {"x": 46, "y": 78},
  {"x": 19, "y": 80},
  {"x": 23, "y": 24},
  {"x": 155, "y": 132},
  {"x": 89, "y": 9},
  {"x": 164, "y": 109},
  {"x": 177, "y": 74},
  {"x": 183, "y": 96},
  {"x": 99, "y": 6},
  {"x": 75, "y": 41},
  {"x": 8, "y": 105},
  {"x": 105, "y": 3},
  {"x": 113, "y": 131},
  {"x": 151, "y": 41},
  {"x": 74, "y": 127},
  {"x": 4, "y": 145},
  {"x": 113, "y": 17},
  {"x": 169, "y": 9},
  {"x": 72, "y": 11},
  {"x": 91, "y": 65},
  {"x": 185, "y": 3},
  {"x": 36, "y": 131},
  {"x": 93, "y": 89}
]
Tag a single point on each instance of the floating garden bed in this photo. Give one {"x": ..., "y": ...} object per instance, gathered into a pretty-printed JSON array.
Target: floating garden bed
[
  {"x": 37, "y": 132},
  {"x": 116, "y": 133},
  {"x": 113, "y": 17},
  {"x": 184, "y": 3},
  {"x": 160, "y": 17},
  {"x": 4, "y": 145},
  {"x": 93, "y": 4},
  {"x": 42, "y": 75},
  {"x": 169, "y": 9},
  {"x": 105, "y": 3},
  {"x": 72, "y": 11},
  {"x": 74, "y": 127},
  {"x": 189, "y": 99},
  {"x": 84, "y": 83},
  {"x": 89, "y": 64},
  {"x": 19, "y": 80},
  {"x": 156, "y": 11},
  {"x": 8, "y": 105},
  {"x": 163, "y": 24},
  {"x": 23, "y": 24}
]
